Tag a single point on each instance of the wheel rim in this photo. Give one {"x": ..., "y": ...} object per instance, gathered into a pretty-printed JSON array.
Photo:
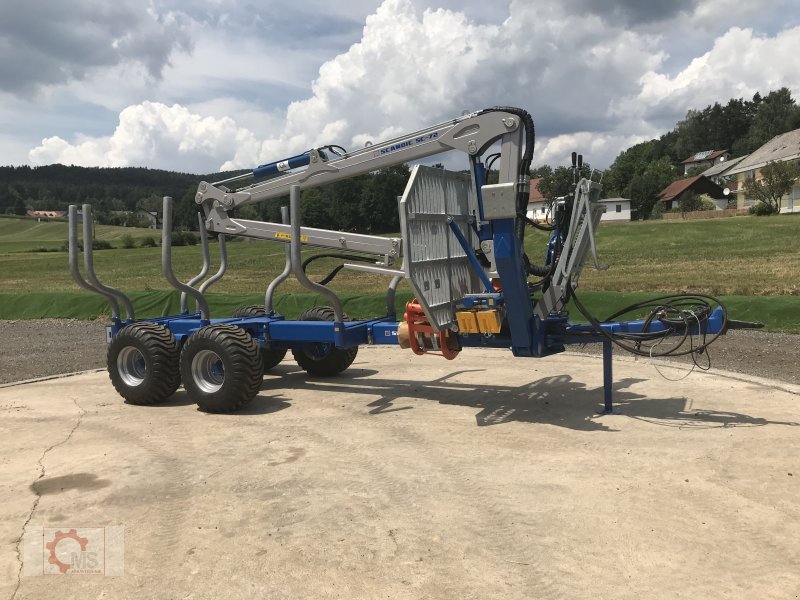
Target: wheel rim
[
  {"x": 208, "y": 371},
  {"x": 131, "y": 366},
  {"x": 319, "y": 351}
]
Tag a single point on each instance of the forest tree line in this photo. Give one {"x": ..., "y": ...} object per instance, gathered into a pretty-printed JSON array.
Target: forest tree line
[{"x": 368, "y": 203}]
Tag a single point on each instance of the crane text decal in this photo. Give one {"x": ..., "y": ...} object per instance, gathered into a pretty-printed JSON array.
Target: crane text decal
[{"x": 408, "y": 143}]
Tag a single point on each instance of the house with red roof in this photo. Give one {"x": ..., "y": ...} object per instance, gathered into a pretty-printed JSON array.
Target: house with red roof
[
  {"x": 537, "y": 205},
  {"x": 46, "y": 214},
  {"x": 698, "y": 184},
  {"x": 704, "y": 159}
]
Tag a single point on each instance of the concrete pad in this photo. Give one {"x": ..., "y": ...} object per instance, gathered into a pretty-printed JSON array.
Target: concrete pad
[{"x": 414, "y": 477}]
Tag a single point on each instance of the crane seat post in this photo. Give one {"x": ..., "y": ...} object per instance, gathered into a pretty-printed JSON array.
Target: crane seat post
[{"x": 416, "y": 332}]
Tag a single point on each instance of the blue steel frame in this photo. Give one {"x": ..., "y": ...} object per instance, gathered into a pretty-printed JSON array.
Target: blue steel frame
[{"x": 551, "y": 337}]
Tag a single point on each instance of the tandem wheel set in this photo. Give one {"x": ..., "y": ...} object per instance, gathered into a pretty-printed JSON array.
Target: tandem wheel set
[{"x": 461, "y": 250}]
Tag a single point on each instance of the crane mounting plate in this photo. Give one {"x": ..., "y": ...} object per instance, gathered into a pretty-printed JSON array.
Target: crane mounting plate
[{"x": 435, "y": 264}]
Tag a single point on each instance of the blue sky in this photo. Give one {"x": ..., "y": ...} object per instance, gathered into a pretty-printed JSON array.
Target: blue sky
[{"x": 202, "y": 85}]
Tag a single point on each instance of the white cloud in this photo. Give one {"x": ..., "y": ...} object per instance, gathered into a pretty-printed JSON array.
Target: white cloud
[
  {"x": 45, "y": 44},
  {"x": 591, "y": 85},
  {"x": 739, "y": 64},
  {"x": 410, "y": 70},
  {"x": 153, "y": 134},
  {"x": 557, "y": 150},
  {"x": 90, "y": 152}
]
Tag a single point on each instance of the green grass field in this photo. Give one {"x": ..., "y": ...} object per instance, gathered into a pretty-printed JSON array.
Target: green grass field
[
  {"x": 24, "y": 235},
  {"x": 743, "y": 256},
  {"x": 749, "y": 256}
]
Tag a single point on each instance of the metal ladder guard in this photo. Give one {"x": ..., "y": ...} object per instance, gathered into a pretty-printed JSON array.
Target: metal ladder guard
[
  {"x": 88, "y": 263},
  {"x": 297, "y": 266},
  {"x": 166, "y": 262},
  {"x": 206, "y": 261},
  {"x": 75, "y": 270},
  {"x": 287, "y": 269}
]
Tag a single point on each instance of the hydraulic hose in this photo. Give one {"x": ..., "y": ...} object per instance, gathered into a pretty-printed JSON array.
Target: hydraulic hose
[{"x": 522, "y": 196}]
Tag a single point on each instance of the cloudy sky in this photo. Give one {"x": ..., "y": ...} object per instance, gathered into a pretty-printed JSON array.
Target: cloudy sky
[{"x": 204, "y": 85}]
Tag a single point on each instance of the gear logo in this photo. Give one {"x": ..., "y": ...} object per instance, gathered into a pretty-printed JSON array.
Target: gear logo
[
  {"x": 59, "y": 537},
  {"x": 69, "y": 550}
]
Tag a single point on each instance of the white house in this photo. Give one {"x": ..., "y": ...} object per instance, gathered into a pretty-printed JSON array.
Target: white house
[
  {"x": 537, "y": 207},
  {"x": 149, "y": 216},
  {"x": 617, "y": 209},
  {"x": 537, "y": 211}
]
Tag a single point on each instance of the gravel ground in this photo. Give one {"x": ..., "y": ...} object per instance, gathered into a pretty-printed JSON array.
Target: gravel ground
[{"x": 53, "y": 346}]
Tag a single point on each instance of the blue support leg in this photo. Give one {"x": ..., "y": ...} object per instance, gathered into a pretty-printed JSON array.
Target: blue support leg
[{"x": 608, "y": 379}]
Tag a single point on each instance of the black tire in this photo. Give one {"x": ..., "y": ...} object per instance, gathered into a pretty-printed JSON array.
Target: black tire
[
  {"x": 270, "y": 357},
  {"x": 142, "y": 361},
  {"x": 254, "y": 310},
  {"x": 323, "y": 360},
  {"x": 221, "y": 368}
]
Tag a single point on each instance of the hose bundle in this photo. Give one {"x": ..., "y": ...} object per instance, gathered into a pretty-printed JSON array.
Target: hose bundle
[{"x": 679, "y": 314}]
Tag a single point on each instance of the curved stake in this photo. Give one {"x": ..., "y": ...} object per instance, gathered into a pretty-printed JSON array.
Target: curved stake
[
  {"x": 166, "y": 262},
  {"x": 73, "y": 264},
  {"x": 88, "y": 263},
  {"x": 297, "y": 267},
  {"x": 223, "y": 265},
  {"x": 287, "y": 269},
  {"x": 206, "y": 261}
]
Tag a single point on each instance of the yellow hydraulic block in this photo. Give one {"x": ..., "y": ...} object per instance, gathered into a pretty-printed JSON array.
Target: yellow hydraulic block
[
  {"x": 467, "y": 323},
  {"x": 489, "y": 321}
]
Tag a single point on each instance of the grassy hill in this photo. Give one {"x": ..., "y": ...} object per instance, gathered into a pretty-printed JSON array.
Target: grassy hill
[
  {"x": 749, "y": 256},
  {"x": 26, "y": 234},
  {"x": 740, "y": 256}
]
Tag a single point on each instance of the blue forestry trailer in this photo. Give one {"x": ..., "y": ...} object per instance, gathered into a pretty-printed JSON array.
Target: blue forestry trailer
[{"x": 461, "y": 250}]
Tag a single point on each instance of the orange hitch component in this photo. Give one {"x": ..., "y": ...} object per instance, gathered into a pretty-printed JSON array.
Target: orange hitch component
[{"x": 420, "y": 336}]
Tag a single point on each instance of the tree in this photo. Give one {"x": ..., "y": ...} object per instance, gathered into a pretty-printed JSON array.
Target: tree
[
  {"x": 379, "y": 199},
  {"x": 150, "y": 204},
  {"x": 19, "y": 206},
  {"x": 774, "y": 114},
  {"x": 184, "y": 210},
  {"x": 628, "y": 164},
  {"x": 248, "y": 211},
  {"x": 644, "y": 188},
  {"x": 777, "y": 179},
  {"x": 314, "y": 209},
  {"x": 541, "y": 171},
  {"x": 560, "y": 182},
  {"x": 691, "y": 134},
  {"x": 657, "y": 212},
  {"x": 9, "y": 200},
  {"x": 691, "y": 202},
  {"x": 345, "y": 201}
]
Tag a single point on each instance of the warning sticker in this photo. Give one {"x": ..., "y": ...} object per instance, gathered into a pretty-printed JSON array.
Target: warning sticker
[{"x": 287, "y": 236}]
